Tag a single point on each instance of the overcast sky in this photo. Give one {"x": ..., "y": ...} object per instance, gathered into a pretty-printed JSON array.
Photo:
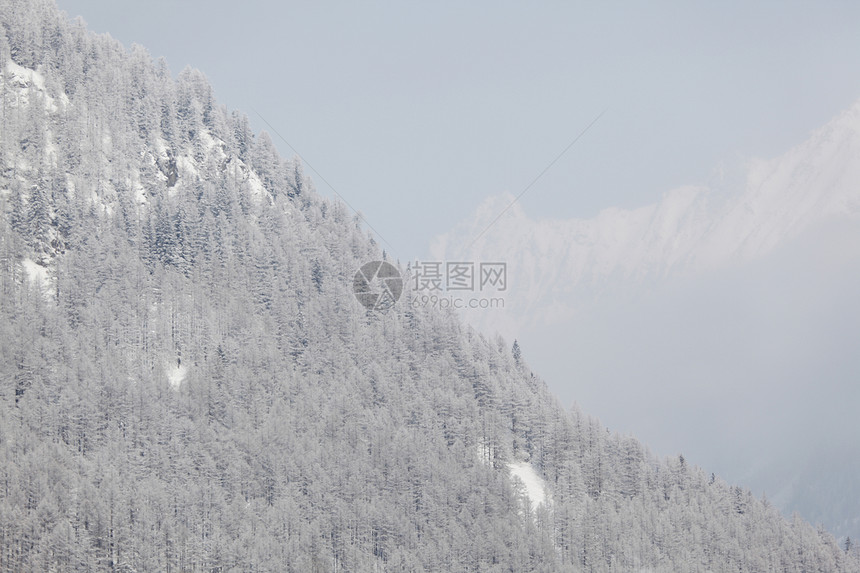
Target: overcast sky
[{"x": 414, "y": 113}]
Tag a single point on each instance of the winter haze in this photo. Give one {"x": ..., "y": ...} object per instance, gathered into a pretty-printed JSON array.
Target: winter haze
[
  {"x": 720, "y": 322},
  {"x": 190, "y": 378},
  {"x": 714, "y": 319}
]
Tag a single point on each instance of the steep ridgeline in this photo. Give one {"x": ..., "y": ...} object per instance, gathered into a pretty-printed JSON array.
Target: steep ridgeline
[{"x": 188, "y": 384}]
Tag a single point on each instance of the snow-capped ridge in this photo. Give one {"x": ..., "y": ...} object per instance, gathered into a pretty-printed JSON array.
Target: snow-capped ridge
[
  {"x": 691, "y": 229},
  {"x": 178, "y": 168}
]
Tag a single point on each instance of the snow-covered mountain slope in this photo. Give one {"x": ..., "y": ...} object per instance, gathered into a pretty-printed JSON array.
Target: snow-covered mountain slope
[
  {"x": 554, "y": 266},
  {"x": 188, "y": 383}
]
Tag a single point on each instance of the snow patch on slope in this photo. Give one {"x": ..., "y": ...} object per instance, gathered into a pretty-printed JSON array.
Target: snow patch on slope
[
  {"x": 176, "y": 375},
  {"x": 255, "y": 186},
  {"x": 36, "y": 274},
  {"x": 534, "y": 484},
  {"x": 20, "y": 85},
  {"x": 17, "y": 76},
  {"x": 522, "y": 473}
]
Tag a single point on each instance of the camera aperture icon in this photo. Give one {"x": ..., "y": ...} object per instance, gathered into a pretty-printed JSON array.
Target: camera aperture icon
[{"x": 377, "y": 285}]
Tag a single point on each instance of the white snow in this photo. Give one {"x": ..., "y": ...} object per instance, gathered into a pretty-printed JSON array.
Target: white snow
[
  {"x": 23, "y": 83},
  {"x": 23, "y": 78},
  {"x": 160, "y": 147},
  {"x": 522, "y": 472},
  {"x": 535, "y": 486},
  {"x": 255, "y": 186},
  {"x": 239, "y": 170},
  {"x": 175, "y": 375},
  {"x": 36, "y": 274},
  {"x": 187, "y": 168},
  {"x": 213, "y": 145}
]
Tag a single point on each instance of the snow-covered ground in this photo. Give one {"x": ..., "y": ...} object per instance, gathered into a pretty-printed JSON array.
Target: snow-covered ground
[
  {"x": 37, "y": 274},
  {"x": 522, "y": 472},
  {"x": 176, "y": 375},
  {"x": 534, "y": 485}
]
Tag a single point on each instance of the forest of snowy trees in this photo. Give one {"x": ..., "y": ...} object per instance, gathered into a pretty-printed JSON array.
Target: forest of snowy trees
[{"x": 188, "y": 384}]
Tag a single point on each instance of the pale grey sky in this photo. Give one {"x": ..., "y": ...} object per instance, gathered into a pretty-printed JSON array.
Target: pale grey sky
[{"x": 415, "y": 112}]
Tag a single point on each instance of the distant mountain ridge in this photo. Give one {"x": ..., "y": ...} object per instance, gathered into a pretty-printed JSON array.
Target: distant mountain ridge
[{"x": 691, "y": 229}]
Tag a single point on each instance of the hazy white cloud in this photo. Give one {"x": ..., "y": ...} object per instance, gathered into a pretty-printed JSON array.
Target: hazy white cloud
[{"x": 721, "y": 324}]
